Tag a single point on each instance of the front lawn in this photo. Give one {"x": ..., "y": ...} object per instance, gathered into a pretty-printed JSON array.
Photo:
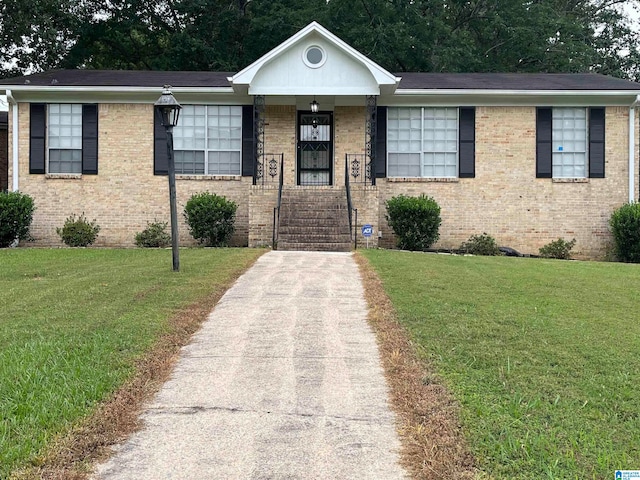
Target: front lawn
[
  {"x": 543, "y": 356},
  {"x": 74, "y": 321}
]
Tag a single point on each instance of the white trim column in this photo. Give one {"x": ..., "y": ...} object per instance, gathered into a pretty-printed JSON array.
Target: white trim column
[
  {"x": 14, "y": 141},
  {"x": 632, "y": 149}
]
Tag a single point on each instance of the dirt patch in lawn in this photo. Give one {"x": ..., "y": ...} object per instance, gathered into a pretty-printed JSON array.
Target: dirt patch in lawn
[
  {"x": 433, "y": 445},
  {"x": 73, "y": 456}
]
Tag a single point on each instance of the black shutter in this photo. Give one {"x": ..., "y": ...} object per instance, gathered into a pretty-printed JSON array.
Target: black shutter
[
  {"x": 248, "y": 146},
  {"x": 381, "y": 142},
  {"x": 467, "y": 142},
  {"x": 544, "y": 125},
  {"x": 596, "y": 142},
  {"x": 37, "y": 134},
  {"x": 160, "y": 159},
  {"x": 90, "y": 139}
]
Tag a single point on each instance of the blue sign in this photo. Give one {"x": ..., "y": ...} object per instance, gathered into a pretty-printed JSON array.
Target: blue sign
[{"x": 367, "y": 230}]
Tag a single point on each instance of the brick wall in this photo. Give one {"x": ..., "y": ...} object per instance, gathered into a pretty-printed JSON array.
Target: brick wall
[
  {"x": 507, "y": 201},
  {"x": 125, "y": 195}
]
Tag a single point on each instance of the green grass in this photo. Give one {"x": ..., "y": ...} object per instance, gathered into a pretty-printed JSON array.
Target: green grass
[
  {"x": 73, "y": 322},
  {"x": 543, "y": 356}
]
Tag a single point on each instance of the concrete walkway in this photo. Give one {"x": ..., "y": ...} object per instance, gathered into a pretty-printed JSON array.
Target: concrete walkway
[{"x": 282, "y": 382}]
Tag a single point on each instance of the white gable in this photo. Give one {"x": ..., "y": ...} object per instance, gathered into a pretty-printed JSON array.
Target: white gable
[{"x": 336, "y": 69}]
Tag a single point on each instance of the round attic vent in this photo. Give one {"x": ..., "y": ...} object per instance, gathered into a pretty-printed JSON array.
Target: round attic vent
[{"x": 314, "y": 56}]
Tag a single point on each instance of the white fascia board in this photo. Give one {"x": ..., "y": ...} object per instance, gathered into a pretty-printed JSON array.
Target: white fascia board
[
  {"x": 382, "y": 76},
  {"x": 224, "y": 95},
  {"x": 101, "y": 89},
  {"x": 507, "y": 98},
  {"x": 417, "y": 91}
]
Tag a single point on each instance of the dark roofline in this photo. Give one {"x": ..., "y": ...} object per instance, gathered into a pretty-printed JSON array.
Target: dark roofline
[
  {"x": 121, "y": 78},
  {"x": 409, "y": 80}
]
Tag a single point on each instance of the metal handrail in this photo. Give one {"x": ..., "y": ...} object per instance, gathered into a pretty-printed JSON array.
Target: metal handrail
[
  {"x": 276, "y": 210},
  {"x": 350, "y": 208}
]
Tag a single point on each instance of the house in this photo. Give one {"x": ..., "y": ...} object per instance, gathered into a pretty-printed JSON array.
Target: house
[
  {"x": 4, "y": 152},
  {"x": 526, "y": 158}
]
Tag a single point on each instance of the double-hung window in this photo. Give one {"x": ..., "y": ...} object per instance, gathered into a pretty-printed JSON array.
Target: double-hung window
[
  {"x": 65, "y": 138},
  {"x": 569, "y": 142},
  {"x": 422, "y": 142},
  {"x": 208, "y": 140}
]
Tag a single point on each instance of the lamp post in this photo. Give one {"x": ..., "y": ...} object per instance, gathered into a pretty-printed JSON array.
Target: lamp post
[{"x": 169, "y": 110}]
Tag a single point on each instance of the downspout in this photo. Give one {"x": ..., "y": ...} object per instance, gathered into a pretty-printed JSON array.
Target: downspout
[
  {"x": 632, "y": 148},
  {"x": 14, "y": 140}
]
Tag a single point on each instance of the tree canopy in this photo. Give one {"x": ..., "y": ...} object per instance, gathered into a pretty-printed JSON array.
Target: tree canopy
[{"x": 400, "y": 35}]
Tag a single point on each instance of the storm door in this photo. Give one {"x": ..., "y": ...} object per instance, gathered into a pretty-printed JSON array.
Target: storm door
[{"x": 315, "y": 148}]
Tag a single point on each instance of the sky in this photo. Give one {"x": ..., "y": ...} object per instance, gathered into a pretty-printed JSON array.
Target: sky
[{"x": 633, "y": 14}]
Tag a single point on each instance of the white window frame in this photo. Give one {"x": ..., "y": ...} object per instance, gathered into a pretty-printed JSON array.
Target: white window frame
[
  {"x": 423, "y": 150},
  {"x": 556, "y": 154},
  {"x": 206, "y": 150},
  {"x": 50, "y": 128}
]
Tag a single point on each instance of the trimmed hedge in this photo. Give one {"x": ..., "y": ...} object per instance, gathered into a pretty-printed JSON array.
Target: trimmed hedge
[
  {"x": 625, "y": 227},
  {"x": 414, "y": 220},
  {"x": 16, "y": 215},
  {"x": 211, "y": 218}
]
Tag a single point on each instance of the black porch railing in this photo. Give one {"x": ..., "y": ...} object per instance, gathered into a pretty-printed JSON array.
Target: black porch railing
[
  {"x": 276, "y": 210},
  {"x": 359, "y": 169},
  {"x": 268, "y": 166},
  {"x": 350, "y": 209}
]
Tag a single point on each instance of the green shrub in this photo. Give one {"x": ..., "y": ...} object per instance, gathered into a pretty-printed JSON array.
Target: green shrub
[
  {"x": 78, "y": 232},
  {"x": 154, "y": 236},
  {"x": 414, "y": 220},
  {"x": 211, "y": 218},
  {"x": 483, "y": 244},
  {"x": 16, "y": 214},
  {"x": 625, "y": 227},
  {"x": 560, "y": 249}
]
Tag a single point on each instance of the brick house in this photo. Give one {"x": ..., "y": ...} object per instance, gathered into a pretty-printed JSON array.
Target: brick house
[{"x": 526, "y": 158}]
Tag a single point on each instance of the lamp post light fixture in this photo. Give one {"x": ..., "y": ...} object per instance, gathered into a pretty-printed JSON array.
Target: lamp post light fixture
[{"x": 169, "y": 110}]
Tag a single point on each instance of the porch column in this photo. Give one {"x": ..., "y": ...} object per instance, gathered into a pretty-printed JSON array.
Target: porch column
[
  {"x": 258, "y": 137},
  {"x": 370, "y": 139}
]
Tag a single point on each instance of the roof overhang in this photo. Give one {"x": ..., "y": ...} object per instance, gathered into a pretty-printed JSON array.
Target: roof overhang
[
  {"x": 477, "y": 97},
  {"x": 342, "y": 71}
]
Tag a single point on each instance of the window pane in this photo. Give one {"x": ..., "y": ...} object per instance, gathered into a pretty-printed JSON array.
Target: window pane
[
  {"x": 64, "y": 138},
  {"x": 569, "y": 142},
  {"x": 224, "y": 127},
  {"x": 190, "y": 133},
  {"x": 404, "y": 130},
  {"x": 404, "y": 165},
  {"x": 189, "y": 162},
  {"x": 440, "y": 130},
  {"x": 440, "y": 164},
  {"x": 224, "y": 163},
  {"x": 65, "y": 161}
]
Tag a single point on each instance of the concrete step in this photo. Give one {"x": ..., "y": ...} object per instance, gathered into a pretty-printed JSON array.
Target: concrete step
[
  {"x": 315, "y": 247},
  {"x": 295, "y": 221},
  {"x": 319, "y": 230},
  {"x": 314, "y": 219},
  {"x": 314, "y": 238}
]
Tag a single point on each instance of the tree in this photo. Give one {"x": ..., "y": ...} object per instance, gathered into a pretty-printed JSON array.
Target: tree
[{"x": 400, "y": 35}]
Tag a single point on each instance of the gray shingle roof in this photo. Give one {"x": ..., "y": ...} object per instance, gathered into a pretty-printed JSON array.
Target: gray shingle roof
[
  {"x": 122, "y": 78},
  {"x": 514, "y": 81},
  {"x": 428, "y": 81}
]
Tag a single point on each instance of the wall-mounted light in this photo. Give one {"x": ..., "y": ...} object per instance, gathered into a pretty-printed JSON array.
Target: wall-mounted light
[{"x": 314, "y": 106}]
